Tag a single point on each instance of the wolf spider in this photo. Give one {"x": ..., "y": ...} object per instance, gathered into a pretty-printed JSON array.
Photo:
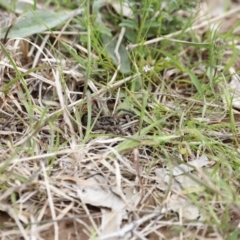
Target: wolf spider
[{"x": 110, "y": 123}]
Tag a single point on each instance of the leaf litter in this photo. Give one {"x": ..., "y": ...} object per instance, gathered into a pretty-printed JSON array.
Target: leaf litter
[{"x": 88, "y": 185}]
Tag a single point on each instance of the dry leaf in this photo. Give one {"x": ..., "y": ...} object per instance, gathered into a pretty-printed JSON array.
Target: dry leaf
[
  {"x": 96, "y": 192},
  {"x": 234, "y": 87},
  {"x": 183, "y": 205},
  {"x": 122, "y": 8},
  {"x": 181, "y": 184}
]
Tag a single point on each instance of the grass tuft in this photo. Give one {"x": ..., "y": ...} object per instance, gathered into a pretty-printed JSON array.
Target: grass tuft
[{"x": 119, "y": 120}]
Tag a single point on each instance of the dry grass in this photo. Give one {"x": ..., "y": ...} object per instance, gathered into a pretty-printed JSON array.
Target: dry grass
[{"x": 62, "y": 179}]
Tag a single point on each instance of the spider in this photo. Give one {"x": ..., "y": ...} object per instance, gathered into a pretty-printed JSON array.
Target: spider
[{"x": 110, "y": 123}]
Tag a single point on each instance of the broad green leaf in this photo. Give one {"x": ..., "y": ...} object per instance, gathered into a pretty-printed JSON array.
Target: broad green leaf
[
  {"x": 9, "y": 5},
  {"x": 102, "y": 28},
  {"x": 33, "y": 22},
  {"x": 17, "y": 6},
  {"x": 110, "y": 45},
  {"x": 234, "y": 235}
]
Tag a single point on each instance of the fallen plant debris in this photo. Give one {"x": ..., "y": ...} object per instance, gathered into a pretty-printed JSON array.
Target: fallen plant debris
[{"x": 119, "y": 120}]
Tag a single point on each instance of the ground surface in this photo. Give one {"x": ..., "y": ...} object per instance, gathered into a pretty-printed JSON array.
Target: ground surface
[{"x": 119, "y": 121}]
